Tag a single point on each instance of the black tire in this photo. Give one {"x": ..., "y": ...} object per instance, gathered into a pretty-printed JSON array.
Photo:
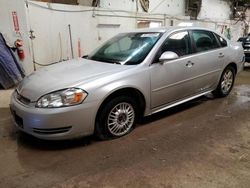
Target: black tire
[
  {"x": 223, "y": 89},
  {"x": 103, "y": 127}
]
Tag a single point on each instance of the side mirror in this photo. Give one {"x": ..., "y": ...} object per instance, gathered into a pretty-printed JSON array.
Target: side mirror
[{"x": 166, "y": 56}]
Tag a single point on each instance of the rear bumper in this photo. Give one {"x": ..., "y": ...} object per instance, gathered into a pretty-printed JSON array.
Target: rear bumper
[{"x": 54, "y": 123}]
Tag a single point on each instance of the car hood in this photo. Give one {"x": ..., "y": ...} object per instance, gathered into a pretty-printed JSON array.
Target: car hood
[{"x": 64, "y": 75}]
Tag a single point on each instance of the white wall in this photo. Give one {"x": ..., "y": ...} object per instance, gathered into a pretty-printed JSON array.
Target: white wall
[
  {"x": 52, "y": 42},
  {"x": 169, "y": 7},
  {"x": 216, "y": 10},
  {"x": 93, "y": 26},
  {"x": 7, "y": 28},
  {"x": 85, "y": 2},
  {"x": 237, "y": 30}
]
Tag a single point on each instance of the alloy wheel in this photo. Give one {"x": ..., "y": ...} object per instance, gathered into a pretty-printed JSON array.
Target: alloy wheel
[
  {"x": 227, "y": 81},
  {"x": 121, "y": 119}
]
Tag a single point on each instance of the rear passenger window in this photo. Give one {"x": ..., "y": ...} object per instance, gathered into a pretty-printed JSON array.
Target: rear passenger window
[
  {"x": 222, "y": 41},
  {"x": 204, "y": 40}
]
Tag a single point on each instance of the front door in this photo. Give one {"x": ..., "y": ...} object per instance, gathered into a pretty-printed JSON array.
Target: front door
[{"x": 173, "y": 80}]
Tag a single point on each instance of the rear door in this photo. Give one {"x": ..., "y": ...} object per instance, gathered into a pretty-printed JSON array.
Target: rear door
[{"x": 209, "y": 59}]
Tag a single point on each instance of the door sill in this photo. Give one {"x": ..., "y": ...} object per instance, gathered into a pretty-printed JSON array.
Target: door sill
[{"x": 165, "y": 107}]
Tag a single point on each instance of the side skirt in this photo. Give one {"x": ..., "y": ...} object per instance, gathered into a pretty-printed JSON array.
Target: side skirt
[{"x": 165, "y": 107}]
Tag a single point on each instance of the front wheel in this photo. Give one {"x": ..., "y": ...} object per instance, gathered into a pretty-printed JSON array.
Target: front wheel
[
  {"x": 116, "y": 118},
  {"x": 226, "y": 82}
]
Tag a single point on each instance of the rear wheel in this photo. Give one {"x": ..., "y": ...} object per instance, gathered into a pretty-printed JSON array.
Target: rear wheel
[
  {"x": 226, "y": 82},
  {"x": 116, "y": 118}
]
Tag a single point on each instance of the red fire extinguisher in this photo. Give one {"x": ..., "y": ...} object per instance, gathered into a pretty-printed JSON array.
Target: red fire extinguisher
[{"x": 20, "y": 51}]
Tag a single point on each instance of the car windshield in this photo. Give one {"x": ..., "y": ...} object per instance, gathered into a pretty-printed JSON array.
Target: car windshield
[{"x": 126, "y": 49}]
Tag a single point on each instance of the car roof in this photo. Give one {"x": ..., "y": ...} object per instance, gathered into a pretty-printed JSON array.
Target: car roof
[{"x": 169, "y": 29}]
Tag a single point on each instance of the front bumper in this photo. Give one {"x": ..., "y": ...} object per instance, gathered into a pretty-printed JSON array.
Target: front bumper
[{"x": 54, "y": 123}]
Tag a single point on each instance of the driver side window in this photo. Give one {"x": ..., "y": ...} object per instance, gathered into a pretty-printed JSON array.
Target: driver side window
[{"x": 177, "y": 42}]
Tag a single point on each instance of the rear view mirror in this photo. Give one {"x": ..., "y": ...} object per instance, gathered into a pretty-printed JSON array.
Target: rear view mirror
[{"x": 168, "y": 56}]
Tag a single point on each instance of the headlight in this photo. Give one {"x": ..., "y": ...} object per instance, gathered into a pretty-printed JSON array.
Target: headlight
[{"x": 62, "y": 98}]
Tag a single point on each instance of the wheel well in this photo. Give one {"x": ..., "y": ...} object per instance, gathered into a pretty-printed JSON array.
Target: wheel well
[
  {"x": 131, "y": 92},
  {"x": 234, "y": 66}
]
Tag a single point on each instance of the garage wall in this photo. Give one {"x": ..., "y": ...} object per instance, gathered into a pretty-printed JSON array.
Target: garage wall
[
  {"x": 89, "y": 26},
  {"x": 237, "y": 30},
  {"x": 7, "y": 28},
  {"x": 216, "y": 10},
  {"x": 51, "y": 30},
  {"x": 85, "y": 2},
  {"x": 169, "y": 7},
  {"x": 89, "y": 29},
  {"x": 92, "y": 26},
  {"x": 219, "y": 12}
]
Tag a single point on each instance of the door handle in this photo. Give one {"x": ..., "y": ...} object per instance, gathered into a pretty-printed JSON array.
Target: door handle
[
  {"x": 221, "y": 55},
  {"x": 189, "y": 64}
]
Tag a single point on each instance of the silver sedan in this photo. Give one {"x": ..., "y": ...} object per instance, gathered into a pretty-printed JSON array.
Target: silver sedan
[{"x": 133, "y": 75}]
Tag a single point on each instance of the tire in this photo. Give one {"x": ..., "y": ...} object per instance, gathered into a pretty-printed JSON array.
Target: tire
[
  {"x": 226, "y": 82},
  {"x": 116, "y": 118}
]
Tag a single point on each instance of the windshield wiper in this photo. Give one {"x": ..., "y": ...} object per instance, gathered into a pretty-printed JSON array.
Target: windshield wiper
[
  {"x": 104, "y": 60},
  {"x": 110, "y": 61}
]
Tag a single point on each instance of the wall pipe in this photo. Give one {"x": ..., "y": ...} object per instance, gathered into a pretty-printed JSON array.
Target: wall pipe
[
  {"x": 164, "y": 17},
  {"x": 140, "y": 17},
  {"x": 71, "y": 43}
]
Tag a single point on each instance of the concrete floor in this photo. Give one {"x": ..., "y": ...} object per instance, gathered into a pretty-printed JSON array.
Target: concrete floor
[{"x": 204, "y": 143}]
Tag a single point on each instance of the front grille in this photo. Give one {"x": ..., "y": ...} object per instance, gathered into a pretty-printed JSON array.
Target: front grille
[
  {"x": 52, "y": 130},
  {"x": 246, "y": 45},
  {"x": 247, "y": 54},
  {"x": 22, "y": 99}
]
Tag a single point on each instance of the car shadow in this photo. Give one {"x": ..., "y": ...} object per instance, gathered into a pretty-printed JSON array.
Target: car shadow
[{"x": 31, "y": 142}]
